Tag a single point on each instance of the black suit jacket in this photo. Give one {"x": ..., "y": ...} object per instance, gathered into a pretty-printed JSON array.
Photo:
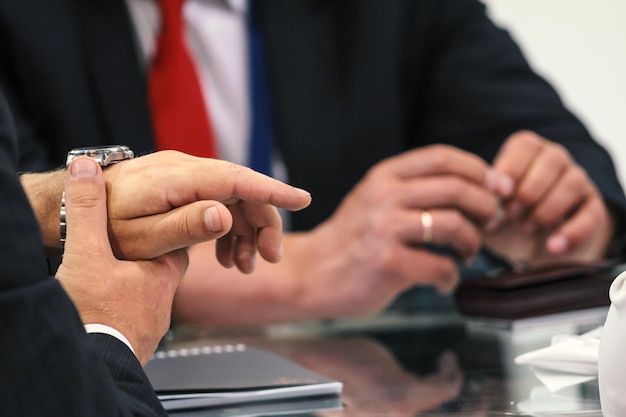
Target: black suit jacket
[
  {"x": 352, "y": 82},
  {"x": 48, "y": 366}
]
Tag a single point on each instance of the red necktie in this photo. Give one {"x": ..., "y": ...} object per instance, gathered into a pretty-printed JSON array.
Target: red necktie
[{"x": 179, "y": 114}]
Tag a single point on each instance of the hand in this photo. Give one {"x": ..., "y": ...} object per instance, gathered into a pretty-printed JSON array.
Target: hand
[
  {"x": 169, "y": 200},
  {"x": 134, "y": 298},
  {"x": 374, "y": 382},
  {"x": 378, "y": 385},
  {"x": 555, "y": 214},
  {"x": 363, "y": 256},
  {"x": 372, "y": 247}
]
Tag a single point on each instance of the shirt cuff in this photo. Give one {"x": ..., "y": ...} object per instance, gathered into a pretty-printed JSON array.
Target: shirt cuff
[{"x": 103, "y": 328}]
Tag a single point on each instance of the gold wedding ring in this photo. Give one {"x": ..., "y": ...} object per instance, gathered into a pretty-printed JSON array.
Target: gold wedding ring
[{"x": 427, "y": 226}]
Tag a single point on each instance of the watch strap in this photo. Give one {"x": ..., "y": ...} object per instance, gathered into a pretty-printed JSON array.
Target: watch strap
[{"x": 62, "y": 222}]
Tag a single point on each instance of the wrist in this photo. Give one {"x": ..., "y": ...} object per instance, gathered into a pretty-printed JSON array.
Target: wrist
[
  {"x": 309, "y": 266},
  {"x": 44, "y": 192}
]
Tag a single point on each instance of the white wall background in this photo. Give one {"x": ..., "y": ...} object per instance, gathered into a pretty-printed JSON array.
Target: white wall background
[{"x": 580, "y": 47}]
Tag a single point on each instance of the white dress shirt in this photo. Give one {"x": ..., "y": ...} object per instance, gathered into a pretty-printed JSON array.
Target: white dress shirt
[{"x": 217, "y": 39}]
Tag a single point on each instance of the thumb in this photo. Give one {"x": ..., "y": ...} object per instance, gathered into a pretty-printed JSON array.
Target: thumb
[
  {"x": 86, "y": 209},
  {"x": 151, "y": 236}
]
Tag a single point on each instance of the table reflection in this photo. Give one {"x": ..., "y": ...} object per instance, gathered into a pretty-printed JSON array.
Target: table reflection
[{"x": 414, "y": 368}]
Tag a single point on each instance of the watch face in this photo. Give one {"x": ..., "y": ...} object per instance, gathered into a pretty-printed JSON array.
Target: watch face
[{"x": 104, "y": 155}]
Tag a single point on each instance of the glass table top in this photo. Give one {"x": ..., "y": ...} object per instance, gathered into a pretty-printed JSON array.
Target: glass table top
[{"x": 396, "y": 366}]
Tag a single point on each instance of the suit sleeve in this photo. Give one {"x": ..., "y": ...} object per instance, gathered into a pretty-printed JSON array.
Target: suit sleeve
[
  {"x": 51, "y": 367},
  {"x": 48, "y": 365},
  {"x": 130, "y": 379}
]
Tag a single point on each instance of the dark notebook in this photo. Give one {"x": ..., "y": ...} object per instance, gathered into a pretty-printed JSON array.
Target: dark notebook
[{"x": 214, "y": 376}]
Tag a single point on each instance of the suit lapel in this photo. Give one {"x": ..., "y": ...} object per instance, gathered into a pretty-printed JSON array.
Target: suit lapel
[{"x": 118, "y": 81}]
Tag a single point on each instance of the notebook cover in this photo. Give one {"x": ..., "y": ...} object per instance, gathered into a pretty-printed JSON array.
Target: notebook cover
[{"x": 220, "y": 375}]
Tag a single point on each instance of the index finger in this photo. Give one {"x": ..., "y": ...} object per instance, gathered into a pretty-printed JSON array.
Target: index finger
[
  {"x": 442, "y": 160},
  {"x": 517, "y": 154},
  {"x": 254, "y": 187},
  {"x": 161, "y": 181}
]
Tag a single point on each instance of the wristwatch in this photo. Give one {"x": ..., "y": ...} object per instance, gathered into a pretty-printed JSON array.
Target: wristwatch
[{"x": 103, "y": 155}]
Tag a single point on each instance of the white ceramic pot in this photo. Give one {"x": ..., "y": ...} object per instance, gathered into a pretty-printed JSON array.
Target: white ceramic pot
[{"x": 612, "y": 354}]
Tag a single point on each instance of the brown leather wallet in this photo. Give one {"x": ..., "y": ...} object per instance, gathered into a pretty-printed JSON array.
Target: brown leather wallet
[{"x": 539, "y": 292}]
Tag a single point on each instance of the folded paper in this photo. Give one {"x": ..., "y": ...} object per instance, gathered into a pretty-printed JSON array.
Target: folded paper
[{"x": 569, "y": 360}]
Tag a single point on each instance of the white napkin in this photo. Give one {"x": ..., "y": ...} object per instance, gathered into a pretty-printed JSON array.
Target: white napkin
[{"x": 569, "y": 360}]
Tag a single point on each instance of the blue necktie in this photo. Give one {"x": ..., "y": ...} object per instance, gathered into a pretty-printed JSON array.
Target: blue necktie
[{"x": 261, "y": 143}]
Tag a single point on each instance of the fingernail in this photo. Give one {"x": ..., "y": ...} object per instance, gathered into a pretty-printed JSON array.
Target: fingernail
[
  {"x": 212, "y": 219},
  {"x": 83, "y": 168},
  {"x": 303, "y": 192},
  {"x": 247, "y": 262},
  {"x": 253, "y": 262},
  {"x": 506, "y": 185},
  {"x": 557, "y": 244}
]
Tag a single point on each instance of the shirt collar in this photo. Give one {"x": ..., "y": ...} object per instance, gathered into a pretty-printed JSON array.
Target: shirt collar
[{"x": 239, "y": 6}]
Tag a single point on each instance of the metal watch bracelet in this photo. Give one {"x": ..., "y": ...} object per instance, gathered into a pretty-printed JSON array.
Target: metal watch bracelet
[{"x": 62, "y": 223}]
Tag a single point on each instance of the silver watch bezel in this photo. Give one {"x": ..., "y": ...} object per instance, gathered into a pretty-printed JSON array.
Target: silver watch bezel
[{"x": 103, "y": 155}]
